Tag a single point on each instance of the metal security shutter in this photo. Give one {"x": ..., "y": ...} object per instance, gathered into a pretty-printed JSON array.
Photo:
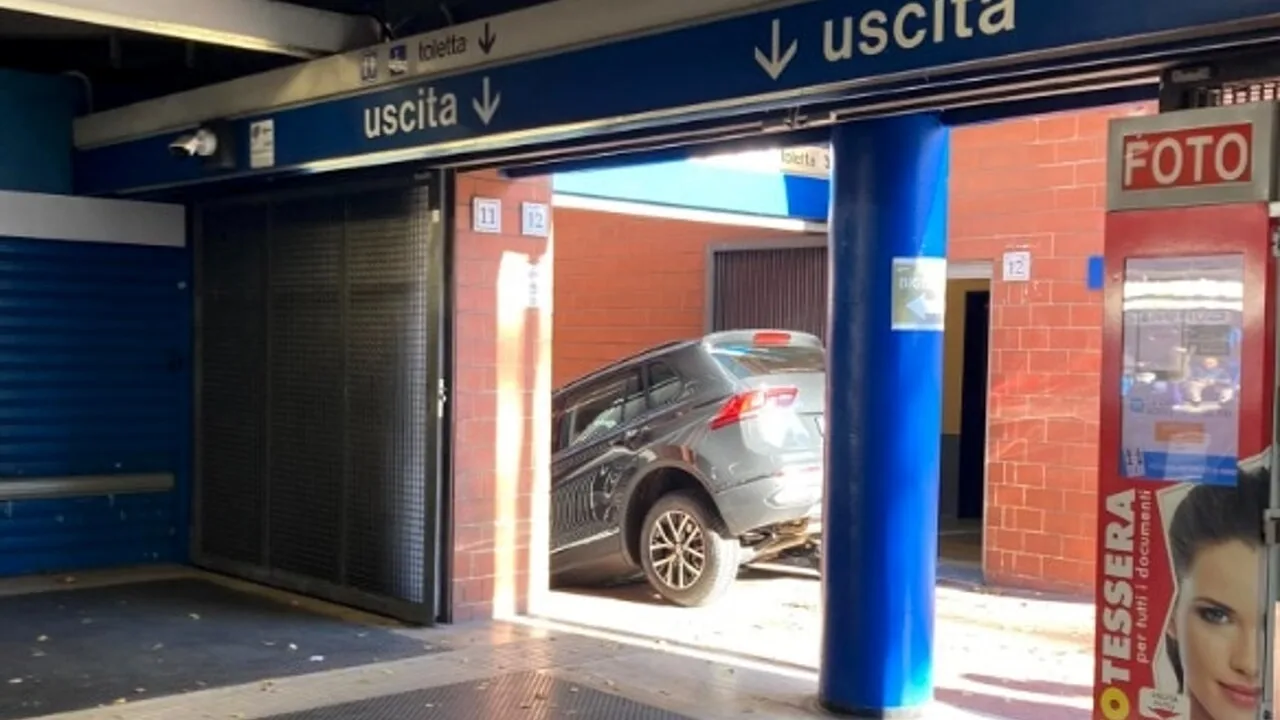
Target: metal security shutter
[
  {"x": 306, "y": 418},
  {"x": 95, "y": 379},
  {"x": 392, "y": 350},
  {"x": 319, "y": 352},
  {"x": 783, "y": 288},
  {"x": 231, "y": 434}
]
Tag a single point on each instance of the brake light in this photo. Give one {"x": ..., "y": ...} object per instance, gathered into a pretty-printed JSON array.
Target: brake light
[
  {"x": 771, "y": 338},
  {"x": 745, "y": 405}
]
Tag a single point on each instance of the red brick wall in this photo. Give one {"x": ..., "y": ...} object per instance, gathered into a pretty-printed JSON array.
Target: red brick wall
[
  {"x": 1038, "y": 184},
  {"x": 501, "y": 406},
  {"x": 626, "y": 282}
]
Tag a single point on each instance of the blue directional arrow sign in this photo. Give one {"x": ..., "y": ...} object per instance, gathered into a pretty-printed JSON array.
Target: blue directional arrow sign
[
  {"x": 919, "y": 294},
  {"x": 776, "y": 60},
  {"x": 824, "y": 46}
]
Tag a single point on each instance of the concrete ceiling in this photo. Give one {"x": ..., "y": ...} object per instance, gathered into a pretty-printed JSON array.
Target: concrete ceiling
[
  {"x": 123, "y": 64},
  {"x": 410, "y": 17}
]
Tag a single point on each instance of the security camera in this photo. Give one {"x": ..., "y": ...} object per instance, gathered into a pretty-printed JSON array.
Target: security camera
[
  {"x": 213, "y": 145},
  {"x": 203, "y": 142}
]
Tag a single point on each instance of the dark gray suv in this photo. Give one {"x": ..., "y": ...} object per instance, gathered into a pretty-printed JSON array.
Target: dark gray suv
[{"x": 689, "y": 460}]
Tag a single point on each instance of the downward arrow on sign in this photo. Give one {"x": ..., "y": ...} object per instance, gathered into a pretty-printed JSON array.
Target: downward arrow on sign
[
  {"x": 777, "y": 60},
  {"x": 487, "y": 104},
  {"x": 487, "y": 40}
]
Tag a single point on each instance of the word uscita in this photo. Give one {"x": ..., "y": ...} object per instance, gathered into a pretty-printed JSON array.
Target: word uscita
[
  {"x": 428, "y": 111},
  {"x": 915, "y": 24}
]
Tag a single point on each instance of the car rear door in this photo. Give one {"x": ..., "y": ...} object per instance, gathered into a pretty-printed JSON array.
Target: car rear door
[
  {"x": 666, "y": 407},
  {"x": 593, "y": 458}
]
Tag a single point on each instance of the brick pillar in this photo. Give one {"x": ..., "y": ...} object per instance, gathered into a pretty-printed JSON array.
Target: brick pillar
[
  {"x": 1038, "y": 184},
  {"x": 501, "y": 404}
]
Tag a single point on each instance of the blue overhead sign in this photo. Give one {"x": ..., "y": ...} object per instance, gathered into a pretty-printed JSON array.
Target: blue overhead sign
[{"x": 783, "y": 55}]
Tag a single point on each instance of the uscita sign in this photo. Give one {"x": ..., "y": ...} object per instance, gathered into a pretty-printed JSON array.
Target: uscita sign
[
  {"x": 915, "y": 24},
  {"x": 430, "y": 109}
]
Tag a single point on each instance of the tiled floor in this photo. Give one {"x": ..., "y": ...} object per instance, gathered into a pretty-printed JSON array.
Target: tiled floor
[
  {"x": 532, "y": 694},
  {"x": 77, "y": 647},
  {"x": 1033, "y": 664}
]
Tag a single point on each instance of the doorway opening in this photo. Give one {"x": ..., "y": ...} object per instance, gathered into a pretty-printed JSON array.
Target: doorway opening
[
  {"x": 964, "y": 440},
  {"x": 653, "y": 509},
  {"x": 633, "y": 280}
]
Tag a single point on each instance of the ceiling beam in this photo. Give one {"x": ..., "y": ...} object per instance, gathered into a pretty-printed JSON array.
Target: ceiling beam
[
  {"x": 263, "y": 25},
  {"x": 547, "y": 28}
]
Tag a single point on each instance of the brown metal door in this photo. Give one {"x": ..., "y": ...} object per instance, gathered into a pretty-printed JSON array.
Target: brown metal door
[{"x": 783, "y": 288}]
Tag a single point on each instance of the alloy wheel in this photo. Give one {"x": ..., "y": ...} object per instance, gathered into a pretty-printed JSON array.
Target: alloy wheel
[{"x": 677, "y": 550}]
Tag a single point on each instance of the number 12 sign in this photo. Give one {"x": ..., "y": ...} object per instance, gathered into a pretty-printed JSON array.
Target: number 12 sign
[
  {"x": 535, "y": 219},
  {"x": 1017, "y": 266}
]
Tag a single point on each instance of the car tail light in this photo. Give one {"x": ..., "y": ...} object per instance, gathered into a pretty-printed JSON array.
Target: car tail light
[
  {"x": 745, "y": 405},
  {"x": 771, "y": 338}
]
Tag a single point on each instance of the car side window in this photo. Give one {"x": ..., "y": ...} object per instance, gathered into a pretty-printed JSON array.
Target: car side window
[
  {"x": 560, "y": 429},
  {"x": 597, "y": 410},
  {"x": 636, "y": 403},
  {"x": 665, "y": 385}
]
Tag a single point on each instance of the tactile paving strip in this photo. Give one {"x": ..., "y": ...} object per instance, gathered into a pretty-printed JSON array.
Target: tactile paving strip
[{"x": 529, "y": 695}]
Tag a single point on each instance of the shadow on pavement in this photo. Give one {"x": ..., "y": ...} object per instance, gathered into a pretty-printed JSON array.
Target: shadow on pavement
[
  {"x": 1008, "y": 708},
  {"x": 1039, "y": 687},
  {"x": 641, "y": 593}
]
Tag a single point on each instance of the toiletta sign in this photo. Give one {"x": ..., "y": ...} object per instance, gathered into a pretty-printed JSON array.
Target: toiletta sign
[{"x": 804, "y": 160}]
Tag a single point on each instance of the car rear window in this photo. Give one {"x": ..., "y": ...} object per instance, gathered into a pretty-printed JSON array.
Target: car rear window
[{"x": 745, "y": 361}]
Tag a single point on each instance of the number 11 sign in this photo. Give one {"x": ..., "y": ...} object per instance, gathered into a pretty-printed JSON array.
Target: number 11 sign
[{"x": 486, "y": 215}]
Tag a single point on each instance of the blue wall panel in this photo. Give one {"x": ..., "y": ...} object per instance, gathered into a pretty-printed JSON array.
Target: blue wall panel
[
  {"x": 94, "y": 380},
  {"x": 42, "y": 536},
  {"x": 700, "y": 185},
  {"x": 36, "y": 114}
]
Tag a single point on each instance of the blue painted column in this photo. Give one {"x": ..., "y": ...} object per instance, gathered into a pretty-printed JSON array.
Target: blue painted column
[{"x": 887, "y": 250}]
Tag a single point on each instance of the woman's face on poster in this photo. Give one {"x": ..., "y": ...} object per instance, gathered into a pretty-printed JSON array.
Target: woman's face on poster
[{"x": 1218, "y": 626}]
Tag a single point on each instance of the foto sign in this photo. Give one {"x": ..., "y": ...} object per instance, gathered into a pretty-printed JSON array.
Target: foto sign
[
  {"x": 1209, "y": 156},
  {"x": 1194, "y": 157}
]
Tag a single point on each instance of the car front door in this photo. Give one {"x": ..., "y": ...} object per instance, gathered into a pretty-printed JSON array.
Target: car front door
[{"x": 592, "y": 459}]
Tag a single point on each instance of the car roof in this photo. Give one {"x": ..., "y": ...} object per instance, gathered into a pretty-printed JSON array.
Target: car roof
[
  {"x": 643, "y": 356},
  {"x": 748, "y": 337},
  {"x": 657, "y": 351}
]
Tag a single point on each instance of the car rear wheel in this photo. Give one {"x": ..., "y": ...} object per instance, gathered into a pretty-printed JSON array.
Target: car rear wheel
[{"x": 686, "y": 551}]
